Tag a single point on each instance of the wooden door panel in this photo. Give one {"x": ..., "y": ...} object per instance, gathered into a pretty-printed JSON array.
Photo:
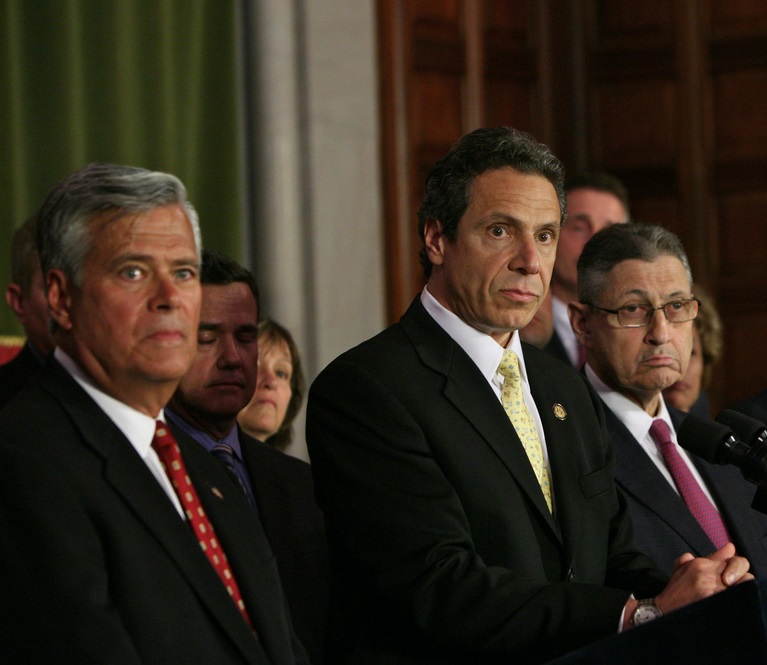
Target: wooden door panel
[
  {"x": 649, "y": 107},
  {"x": 670, "y": 95}
]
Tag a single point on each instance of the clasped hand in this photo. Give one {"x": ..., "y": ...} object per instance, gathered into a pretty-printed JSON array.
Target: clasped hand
[{"x": 695, "y": 578}]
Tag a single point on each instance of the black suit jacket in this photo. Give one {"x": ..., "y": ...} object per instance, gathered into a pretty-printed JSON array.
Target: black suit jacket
[
  {"x": 97, "y": 565},
  {"x": 442, "y": 547},
  {"x": 755, "y": 406},
  {"x": 284, "y": 493},
  {"x": 664, "y": 526},
  {"x": 16, "y": 372}
]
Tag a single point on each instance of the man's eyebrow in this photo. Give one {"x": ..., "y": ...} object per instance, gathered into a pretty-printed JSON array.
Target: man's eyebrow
[
  {"x": 185, "y": 261},
  {"x": 209, "y": 326}
]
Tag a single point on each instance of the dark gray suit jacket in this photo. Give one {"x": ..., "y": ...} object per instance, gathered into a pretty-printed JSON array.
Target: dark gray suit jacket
[
  {"x": 442, "y": 547},
  {"x": 664, "y": 526},
  {"x": 97, "y": 565},
  {"x": 557, "y": 349}
]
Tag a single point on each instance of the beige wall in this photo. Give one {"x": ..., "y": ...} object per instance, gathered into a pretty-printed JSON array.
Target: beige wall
[{"x": 316, "y": 234}]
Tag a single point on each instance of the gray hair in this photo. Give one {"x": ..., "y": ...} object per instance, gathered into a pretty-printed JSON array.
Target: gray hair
[
  {"x": 621, "y": 242},
  {"x": 63, "y": 235}
]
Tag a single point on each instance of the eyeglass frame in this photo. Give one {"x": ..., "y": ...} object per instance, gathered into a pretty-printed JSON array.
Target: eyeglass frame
[{"x": 650, "y": 313}]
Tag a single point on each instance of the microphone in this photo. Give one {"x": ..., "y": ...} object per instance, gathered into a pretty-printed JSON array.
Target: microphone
[
  {"x": 746, "y": 428},
  {"x": 754, "y": 433},
  {"x": 715, "y": 442}
]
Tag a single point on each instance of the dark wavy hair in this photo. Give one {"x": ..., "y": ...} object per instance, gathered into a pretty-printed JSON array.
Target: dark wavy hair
[{"x": 446, "y": 196}]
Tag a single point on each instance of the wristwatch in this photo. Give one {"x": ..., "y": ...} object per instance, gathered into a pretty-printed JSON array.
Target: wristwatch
[{"x": 646, "y": 610}]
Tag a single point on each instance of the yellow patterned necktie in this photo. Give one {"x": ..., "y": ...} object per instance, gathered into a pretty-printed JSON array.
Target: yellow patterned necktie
[{"x": 519, "y": 415}]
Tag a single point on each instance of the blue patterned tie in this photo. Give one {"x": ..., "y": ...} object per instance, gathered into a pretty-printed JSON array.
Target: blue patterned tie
[
  {"x": 519, "y": 415},
  {"x": 224, "y": 453}
]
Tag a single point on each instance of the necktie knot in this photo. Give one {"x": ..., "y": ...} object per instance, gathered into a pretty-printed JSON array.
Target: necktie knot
[
  {"x": 509, "y": 367},
  {"x": 225, "y": 453},
  {"x": 162, "y": 436},
  {"x": 660, "y": 432}
]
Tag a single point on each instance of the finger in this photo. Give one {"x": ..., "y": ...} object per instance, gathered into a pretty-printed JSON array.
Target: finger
[
  {"x": 683, "y": 559},
  {"x": 734, "y": 570},
  {"x": 746, "y": 578},
  {"x": 723, "y": 554}
]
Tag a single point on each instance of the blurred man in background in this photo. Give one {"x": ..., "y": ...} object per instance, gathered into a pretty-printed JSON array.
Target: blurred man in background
[{"x": 26, "y": 297}]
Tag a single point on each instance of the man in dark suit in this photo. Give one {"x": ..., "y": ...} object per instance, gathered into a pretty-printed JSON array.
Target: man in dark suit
[
  {"x": 214, "y": 390},
  {"x": 635, "y": 318},
  {"x": 451, "y": 540},
  {"x": 594, "y": 202},
  {"x": 117, "y": 544},
  {"x": 25, "y": 295}
]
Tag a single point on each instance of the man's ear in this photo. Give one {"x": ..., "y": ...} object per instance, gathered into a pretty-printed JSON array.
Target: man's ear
[
  {"x": 433, "y": 241},
  {"x": 579, "y": 320},
  {"x": 15, "y": 299},
  {"x": 59, "y": 298}
]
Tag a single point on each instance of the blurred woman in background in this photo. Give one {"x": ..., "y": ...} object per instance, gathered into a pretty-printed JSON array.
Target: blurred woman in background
[
  {"x": 280, "y": 388},
  {"x": 690, "y": 392}
]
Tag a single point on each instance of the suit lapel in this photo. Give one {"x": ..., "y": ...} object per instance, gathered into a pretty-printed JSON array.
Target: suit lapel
[
  {"x": 556, "y": 414},
  {"x": 640, "y": 478},
  {"x": 271, "y": 491},
  {"x": 248, "y": 550},
  {"x": 127, "y": 473},
  {"x": 466, "y": 389}
]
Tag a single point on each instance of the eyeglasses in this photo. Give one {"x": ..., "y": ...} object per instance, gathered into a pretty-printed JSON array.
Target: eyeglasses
[{"x": 638, "y": 316}]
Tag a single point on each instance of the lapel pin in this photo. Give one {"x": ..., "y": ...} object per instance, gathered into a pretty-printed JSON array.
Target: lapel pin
[
  {"x": 216, "y": 492},
  {"x": 559, "y": 411}
]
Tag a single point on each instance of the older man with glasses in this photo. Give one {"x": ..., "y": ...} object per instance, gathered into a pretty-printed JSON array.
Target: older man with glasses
[{"x": 635, "y": 319}]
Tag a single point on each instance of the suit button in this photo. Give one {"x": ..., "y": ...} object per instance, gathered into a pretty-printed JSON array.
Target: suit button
[{"x": 570, "y": 575}]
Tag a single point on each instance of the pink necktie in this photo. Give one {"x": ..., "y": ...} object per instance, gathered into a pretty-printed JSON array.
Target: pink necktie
[
  {"x": 701, "y": 508},
  {"x": 170, "y": 456}
]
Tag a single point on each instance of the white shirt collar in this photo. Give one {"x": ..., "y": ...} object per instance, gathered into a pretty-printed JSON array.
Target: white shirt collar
[
  {"x": 480, "y": 347},
  {"x": 633, "y": 416},
  {"x": 137, "y": 427}
]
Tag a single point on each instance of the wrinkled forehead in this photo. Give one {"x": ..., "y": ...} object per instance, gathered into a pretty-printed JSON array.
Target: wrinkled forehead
[{"x": 663, "y": 277}]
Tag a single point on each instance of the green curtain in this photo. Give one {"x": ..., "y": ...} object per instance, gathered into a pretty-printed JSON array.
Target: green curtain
[{"x": 151, "y": 83}]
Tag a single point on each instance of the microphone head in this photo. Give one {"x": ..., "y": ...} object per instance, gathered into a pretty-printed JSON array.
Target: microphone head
[
  {"x": 746, "y": 428},
  {"x": 705, "y": 437}
]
